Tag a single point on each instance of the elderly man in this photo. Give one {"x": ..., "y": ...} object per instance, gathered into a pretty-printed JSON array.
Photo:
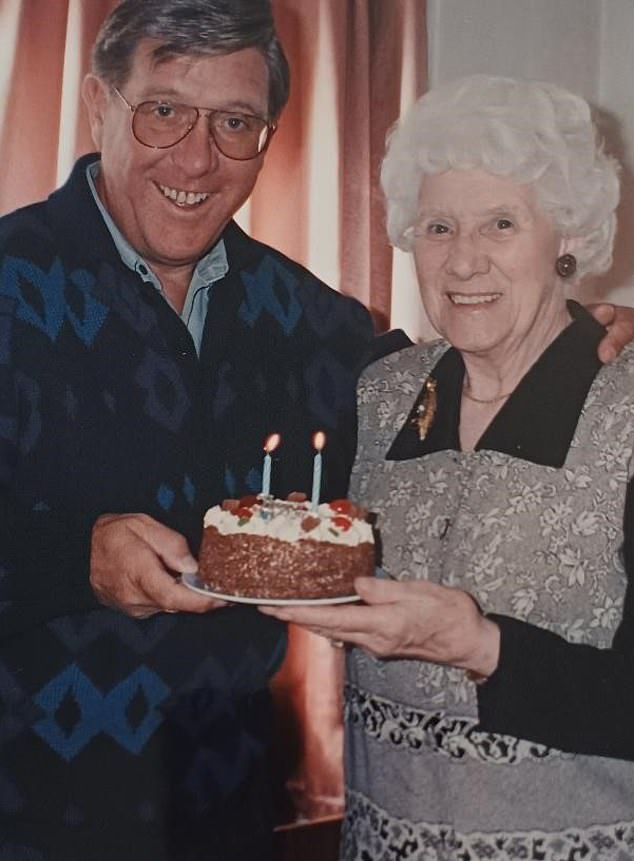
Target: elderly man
[{"x": 148, "y": 348}]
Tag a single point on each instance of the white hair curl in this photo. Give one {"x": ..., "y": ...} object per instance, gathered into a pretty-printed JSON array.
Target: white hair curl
[{"x": 532, "y": 132}]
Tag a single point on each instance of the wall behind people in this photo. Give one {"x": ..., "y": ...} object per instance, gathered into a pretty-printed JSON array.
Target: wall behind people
[
  {"x": 355, "y": 66},
  {"x": 585, "y": 46}
]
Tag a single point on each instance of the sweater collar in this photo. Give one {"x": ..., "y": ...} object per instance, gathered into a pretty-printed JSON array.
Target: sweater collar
[{"x": 537, "y": 422}]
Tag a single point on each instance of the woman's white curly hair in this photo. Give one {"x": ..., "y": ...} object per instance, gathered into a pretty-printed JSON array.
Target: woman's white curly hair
[{"x": 530, "y": 131}]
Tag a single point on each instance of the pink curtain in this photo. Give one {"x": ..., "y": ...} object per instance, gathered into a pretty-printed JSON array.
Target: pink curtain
[
  {"x": 45, "y": 46},
  {"x": 356, "y": 64}
]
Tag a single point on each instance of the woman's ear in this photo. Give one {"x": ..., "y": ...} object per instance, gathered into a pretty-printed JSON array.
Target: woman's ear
[
  {"x": 95, "y": 94},
  {"x": 571, "y": 245}
]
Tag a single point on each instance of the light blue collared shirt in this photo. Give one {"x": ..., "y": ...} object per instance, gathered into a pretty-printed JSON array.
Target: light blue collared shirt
[{"x": 209, "y": 269}]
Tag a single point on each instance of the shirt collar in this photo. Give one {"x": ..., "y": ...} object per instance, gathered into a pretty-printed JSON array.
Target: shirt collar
[
  {"x": 537, "y": 422},
  {"x": 209, "y": 269}
]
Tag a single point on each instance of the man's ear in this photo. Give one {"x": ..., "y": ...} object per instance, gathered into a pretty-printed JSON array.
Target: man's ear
[{"x": 95, "y": 94}]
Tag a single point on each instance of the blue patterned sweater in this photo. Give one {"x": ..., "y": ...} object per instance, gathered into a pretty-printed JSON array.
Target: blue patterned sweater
[{"x": 124, "y": 739}]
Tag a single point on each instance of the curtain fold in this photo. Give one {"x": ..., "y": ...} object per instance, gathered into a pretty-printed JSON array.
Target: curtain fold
[
  {"x": 376, "y": 72},
  {"x": 45, "y": 50},
  {"x": 356, "y": 65}
]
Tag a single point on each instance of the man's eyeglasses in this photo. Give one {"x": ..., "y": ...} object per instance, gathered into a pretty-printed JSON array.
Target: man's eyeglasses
[{"x": 160, "y": 125}]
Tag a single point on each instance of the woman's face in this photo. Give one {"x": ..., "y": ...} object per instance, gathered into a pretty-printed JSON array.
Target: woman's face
[{"x": 485, "y": 257}]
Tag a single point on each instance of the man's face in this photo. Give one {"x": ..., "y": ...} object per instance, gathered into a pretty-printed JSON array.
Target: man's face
[{"x": 141, "y": 186}]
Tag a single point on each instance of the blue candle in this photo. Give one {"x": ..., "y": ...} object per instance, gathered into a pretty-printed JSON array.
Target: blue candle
[
  {"x": 319, "y": 441},
  {"x": 266, "y": 475},
  {"x": 270, "y": 444}
]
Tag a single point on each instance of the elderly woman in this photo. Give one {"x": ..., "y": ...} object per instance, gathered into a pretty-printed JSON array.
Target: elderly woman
[{"x": 490, "y": 704}]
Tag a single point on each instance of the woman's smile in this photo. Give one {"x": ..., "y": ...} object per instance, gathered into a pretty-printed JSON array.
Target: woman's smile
[{"x": 471, "y": 299}]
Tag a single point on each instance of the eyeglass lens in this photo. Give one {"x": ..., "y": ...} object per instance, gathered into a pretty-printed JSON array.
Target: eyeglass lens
[{"x": 161, "y": 125}]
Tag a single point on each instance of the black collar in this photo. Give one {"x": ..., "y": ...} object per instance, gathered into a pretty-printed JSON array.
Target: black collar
[{"x": 538, "y": 420}]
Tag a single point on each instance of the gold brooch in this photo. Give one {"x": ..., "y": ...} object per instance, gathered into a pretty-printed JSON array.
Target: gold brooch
[{"x": 426, "y": 409}]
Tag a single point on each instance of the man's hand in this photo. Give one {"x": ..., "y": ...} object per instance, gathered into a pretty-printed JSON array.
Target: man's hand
[
  {"x": 619, "y": 321},
  {"x": 134, "y": 563}
]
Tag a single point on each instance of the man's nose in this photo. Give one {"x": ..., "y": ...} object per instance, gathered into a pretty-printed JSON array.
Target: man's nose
[
  {"x": 197, "y": 153},
  {"x": 467, "y": 256}
]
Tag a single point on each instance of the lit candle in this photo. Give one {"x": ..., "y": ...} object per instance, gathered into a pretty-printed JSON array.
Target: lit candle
[
  {"x": 319, "y": 441},
  {"x": 270, "y": 444}
]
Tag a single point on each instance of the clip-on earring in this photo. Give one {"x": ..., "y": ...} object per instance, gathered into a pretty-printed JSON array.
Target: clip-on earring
[{"x": 566, "y": 265}]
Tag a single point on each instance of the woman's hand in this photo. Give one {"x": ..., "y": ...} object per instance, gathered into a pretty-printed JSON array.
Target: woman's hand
[
  {"x": 619, "y": 321},
  {"x": 407, "y": 619}
]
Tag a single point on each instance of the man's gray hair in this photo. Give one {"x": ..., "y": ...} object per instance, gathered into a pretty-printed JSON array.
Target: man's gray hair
[
  {"x": 532, "y": 132},
  {"x": 186, "y": 27}
]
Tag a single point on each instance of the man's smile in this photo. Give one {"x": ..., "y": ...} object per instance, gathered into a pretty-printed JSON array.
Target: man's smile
[{"x": 182, "y": 197}]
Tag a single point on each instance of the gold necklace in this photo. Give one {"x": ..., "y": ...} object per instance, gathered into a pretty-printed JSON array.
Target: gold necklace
[{"x": 485, "y": 400}]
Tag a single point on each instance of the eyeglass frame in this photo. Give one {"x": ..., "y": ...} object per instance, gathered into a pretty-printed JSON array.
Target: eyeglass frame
[{"x": 205, "y": 112}]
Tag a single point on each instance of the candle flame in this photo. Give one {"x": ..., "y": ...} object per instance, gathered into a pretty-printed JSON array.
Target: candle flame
[
  {"x": 271, "y": 442},
  {"x": 319, "y": 440}
]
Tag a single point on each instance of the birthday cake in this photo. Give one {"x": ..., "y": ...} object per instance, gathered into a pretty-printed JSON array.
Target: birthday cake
[{"x": 266, "y": 548}]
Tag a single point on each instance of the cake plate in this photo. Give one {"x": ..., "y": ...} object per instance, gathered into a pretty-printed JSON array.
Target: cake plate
[{"x": 193, "y": 582}]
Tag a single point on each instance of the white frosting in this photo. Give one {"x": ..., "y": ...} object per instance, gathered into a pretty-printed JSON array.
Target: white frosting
[{"x": 273, "y": 518}]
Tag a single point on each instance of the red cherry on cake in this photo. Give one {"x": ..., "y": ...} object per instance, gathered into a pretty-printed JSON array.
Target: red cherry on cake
[
  {"x": 342, "y": 522},
  {"x": 248, "y": 501},
  {"x": 243, "y": 512},
  {"x": 309, "y": 523},
  {"x": 342, "y": 506}
]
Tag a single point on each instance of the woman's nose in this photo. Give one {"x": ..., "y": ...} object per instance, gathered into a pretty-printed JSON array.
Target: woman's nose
[{"x": 467, "y": 257}]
